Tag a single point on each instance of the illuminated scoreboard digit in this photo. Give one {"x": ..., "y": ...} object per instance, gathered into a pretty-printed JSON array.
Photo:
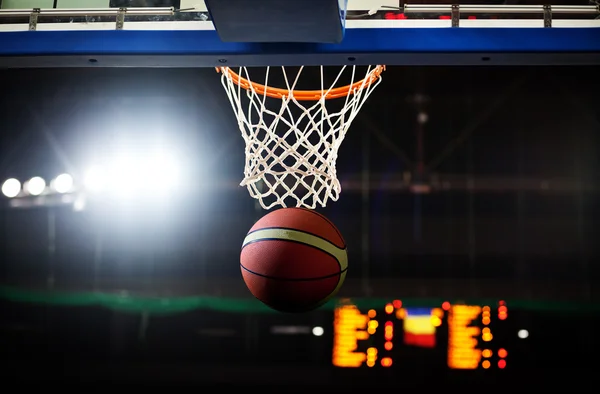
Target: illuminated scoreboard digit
[
  {"x": 492, "y": 358},
  {"x": 465, "y": 351},
  {"x": 462, "y": 342},
  {"x": 349, "y": 328},
  {"x": 502, "y": 353}
]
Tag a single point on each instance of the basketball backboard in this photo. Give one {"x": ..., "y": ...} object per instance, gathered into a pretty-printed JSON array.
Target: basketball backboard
[{"x": 376, "y": 32}]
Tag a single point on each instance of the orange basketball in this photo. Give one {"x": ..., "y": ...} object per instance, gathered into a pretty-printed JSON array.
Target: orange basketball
[{"x": 294, "y": 260}]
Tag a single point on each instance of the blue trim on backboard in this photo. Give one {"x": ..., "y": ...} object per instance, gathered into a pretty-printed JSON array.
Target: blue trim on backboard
[
  {"x": 385, "y": 40},
  {"x": 373, "y": 42}
]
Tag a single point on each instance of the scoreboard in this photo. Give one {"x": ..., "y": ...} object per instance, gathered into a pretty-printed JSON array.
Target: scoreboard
[{"x": 378, "y": 337}]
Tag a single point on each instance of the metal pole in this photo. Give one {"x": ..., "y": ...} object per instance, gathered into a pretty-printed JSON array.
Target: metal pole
[
  {"x": 98, "y": 257},
  {"x": 143, "y": 327},
  {"x": 521, "y": 260},
  {"x": 419, "y": 178},
  {"x": 366, "y": 226},
  {"x": 418, "y": 174},
  {"x": 581, "y": 223},
  {"x": 450, "y": 234},
  {"x": 471, "y": 240},
  {"x": 500, "y": 9},
  {"x": 141, "y": 11},
  {"x": 50, "y": 279}
]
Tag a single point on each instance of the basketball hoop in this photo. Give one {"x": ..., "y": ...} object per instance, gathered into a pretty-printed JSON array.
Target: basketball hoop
[{"x": 292, "y": 138}]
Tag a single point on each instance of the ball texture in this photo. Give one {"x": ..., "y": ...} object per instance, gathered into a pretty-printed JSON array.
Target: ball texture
[{"x": 294, "y": 260}]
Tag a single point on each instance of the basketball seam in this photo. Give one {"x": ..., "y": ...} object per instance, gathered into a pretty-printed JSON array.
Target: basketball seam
[
  {"x": 328, "y": 221},
  {"x": 294, "y": 279},
  {"x": 291, "y": 229},
  {"x": 299, "y": 243}
]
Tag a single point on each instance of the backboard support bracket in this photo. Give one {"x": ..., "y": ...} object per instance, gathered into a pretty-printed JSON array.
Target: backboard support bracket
[
  {"x": 547, "y": 15},
  {"x": 455, "y": 15},
  {"x": 33, "y": 19},
  {"x": 121, "y": 18}
]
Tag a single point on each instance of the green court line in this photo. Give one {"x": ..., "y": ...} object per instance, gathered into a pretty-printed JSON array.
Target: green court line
[{"x": 123, "y": 302}]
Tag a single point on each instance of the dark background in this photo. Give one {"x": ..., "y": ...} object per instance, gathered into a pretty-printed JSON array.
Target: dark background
[
  {"x": 526, "y": 139},
  {"x": 513, "y": 237},
  {"x": 511, "y": 155}
]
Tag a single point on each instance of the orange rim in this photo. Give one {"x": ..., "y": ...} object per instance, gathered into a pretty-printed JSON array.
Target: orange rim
[{"x": 302, "y": 95}]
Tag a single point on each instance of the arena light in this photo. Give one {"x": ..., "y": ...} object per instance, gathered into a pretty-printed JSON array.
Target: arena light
[
  {"x": 95, "y": 179},
  {"x": 150, "y": 175},
  {"x": 126, "y": 177},
  {"x": 131, "y": 176},
  {"x": 318, "y": 331},
  {"x": 63, "y": 184},
  {"x": 35, "y": 186},
  {"x": 168, "y": 173},
  {"x": 11, "y": 188}
]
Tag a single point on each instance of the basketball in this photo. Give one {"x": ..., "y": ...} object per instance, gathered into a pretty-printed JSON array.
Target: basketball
[{"x": 294, "y": 260}]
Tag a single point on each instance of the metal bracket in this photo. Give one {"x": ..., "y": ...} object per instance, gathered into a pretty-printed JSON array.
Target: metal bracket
[
  {"x": 121, "y": 18},
  {"x": 455, "y": 15},
  {"x": 401, "y": 6},
  {"x": 33, "y": 19},
  {"x": 547, "y": 15}
]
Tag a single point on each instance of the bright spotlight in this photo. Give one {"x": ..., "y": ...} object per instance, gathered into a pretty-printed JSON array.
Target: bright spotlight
[
  {"x": 11, "y": 188},
  {"x": 35, "y": 186},
  {"x": 167, "y": 173},
  {"x": 144, "y": 177},
  {"x": 523, "y": 334},
  {"x": 63, "y": 183},
  {"x": 127, "y": 177},
  {"x": 95, "y": 180},
  {"x": 318, "y": 331}
]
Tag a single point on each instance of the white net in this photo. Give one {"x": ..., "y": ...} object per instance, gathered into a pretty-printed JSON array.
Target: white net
[{"x": 293, "y": 136}]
